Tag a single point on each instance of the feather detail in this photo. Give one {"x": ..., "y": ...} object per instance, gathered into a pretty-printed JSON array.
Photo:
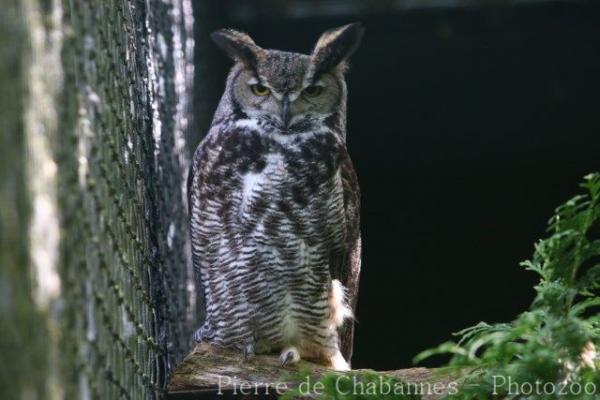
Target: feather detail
[{"x": 340, "y": 311}]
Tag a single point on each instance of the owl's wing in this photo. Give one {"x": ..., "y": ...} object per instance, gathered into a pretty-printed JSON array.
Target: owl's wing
[
  {"x": 193, "y": 194},
  {"x": 190, "y": 181},
  {"x": 345, "y": 265},
  {"x": 201, "y": 164}
]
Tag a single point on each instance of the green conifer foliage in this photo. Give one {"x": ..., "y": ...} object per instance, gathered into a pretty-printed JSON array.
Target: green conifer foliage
[{"x": 549, "y": 351}]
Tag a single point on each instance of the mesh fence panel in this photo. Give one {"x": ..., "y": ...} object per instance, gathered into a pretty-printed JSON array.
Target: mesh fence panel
[{"x": 125, "y": 309}]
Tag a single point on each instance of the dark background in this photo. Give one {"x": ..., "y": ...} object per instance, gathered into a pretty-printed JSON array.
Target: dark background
[{"x": 467, "y": 126}]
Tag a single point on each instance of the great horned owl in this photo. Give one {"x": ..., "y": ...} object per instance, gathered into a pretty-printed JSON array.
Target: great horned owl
[{"x": 274, "y": 204}]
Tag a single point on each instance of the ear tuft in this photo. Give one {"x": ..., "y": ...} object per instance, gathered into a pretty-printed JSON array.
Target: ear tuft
[
  {"x": 237, "y": 45},
  {"x": 336, "y": 46}
]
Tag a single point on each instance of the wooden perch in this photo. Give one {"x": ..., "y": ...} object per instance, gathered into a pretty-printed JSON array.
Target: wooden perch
[{"x": 209, "y": 371}]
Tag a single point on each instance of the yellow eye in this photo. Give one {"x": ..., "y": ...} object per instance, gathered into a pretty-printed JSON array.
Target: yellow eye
[
  {"x": 312, "y": 91},
  {"x": 260, "y": 90}
]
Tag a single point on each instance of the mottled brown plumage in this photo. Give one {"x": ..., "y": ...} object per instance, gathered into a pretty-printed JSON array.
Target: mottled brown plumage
[{"x": 274, "y": 204}]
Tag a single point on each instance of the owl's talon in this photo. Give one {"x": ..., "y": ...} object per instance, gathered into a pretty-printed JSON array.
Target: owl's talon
[{"x": 289, "y": 356}]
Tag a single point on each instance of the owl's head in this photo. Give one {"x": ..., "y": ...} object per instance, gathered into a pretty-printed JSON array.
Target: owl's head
[{"x": 287, "y": 91}]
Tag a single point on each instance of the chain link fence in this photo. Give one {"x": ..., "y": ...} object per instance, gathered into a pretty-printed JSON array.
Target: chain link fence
[{"x": 107, "y": 93}]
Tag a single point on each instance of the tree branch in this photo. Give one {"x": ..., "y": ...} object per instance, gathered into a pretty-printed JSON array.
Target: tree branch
[{"x": 208, "y": 370}]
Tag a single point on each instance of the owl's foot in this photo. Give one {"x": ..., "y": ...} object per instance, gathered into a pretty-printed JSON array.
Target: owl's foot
[
  {"x": 289, "y": 355},
  {"x": 338, "y": 362}
]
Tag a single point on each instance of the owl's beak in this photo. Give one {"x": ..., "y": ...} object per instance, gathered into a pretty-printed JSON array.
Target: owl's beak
[{"x": 285, "y": 111}]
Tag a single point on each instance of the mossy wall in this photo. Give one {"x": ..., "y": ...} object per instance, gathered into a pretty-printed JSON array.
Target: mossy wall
[
  {"x": 23, "y": 331},
  {"x": 97, "y": 290}
]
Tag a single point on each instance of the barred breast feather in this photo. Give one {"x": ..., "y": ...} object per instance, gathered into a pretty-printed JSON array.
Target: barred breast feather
[{"x": 273, "y": 224}]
